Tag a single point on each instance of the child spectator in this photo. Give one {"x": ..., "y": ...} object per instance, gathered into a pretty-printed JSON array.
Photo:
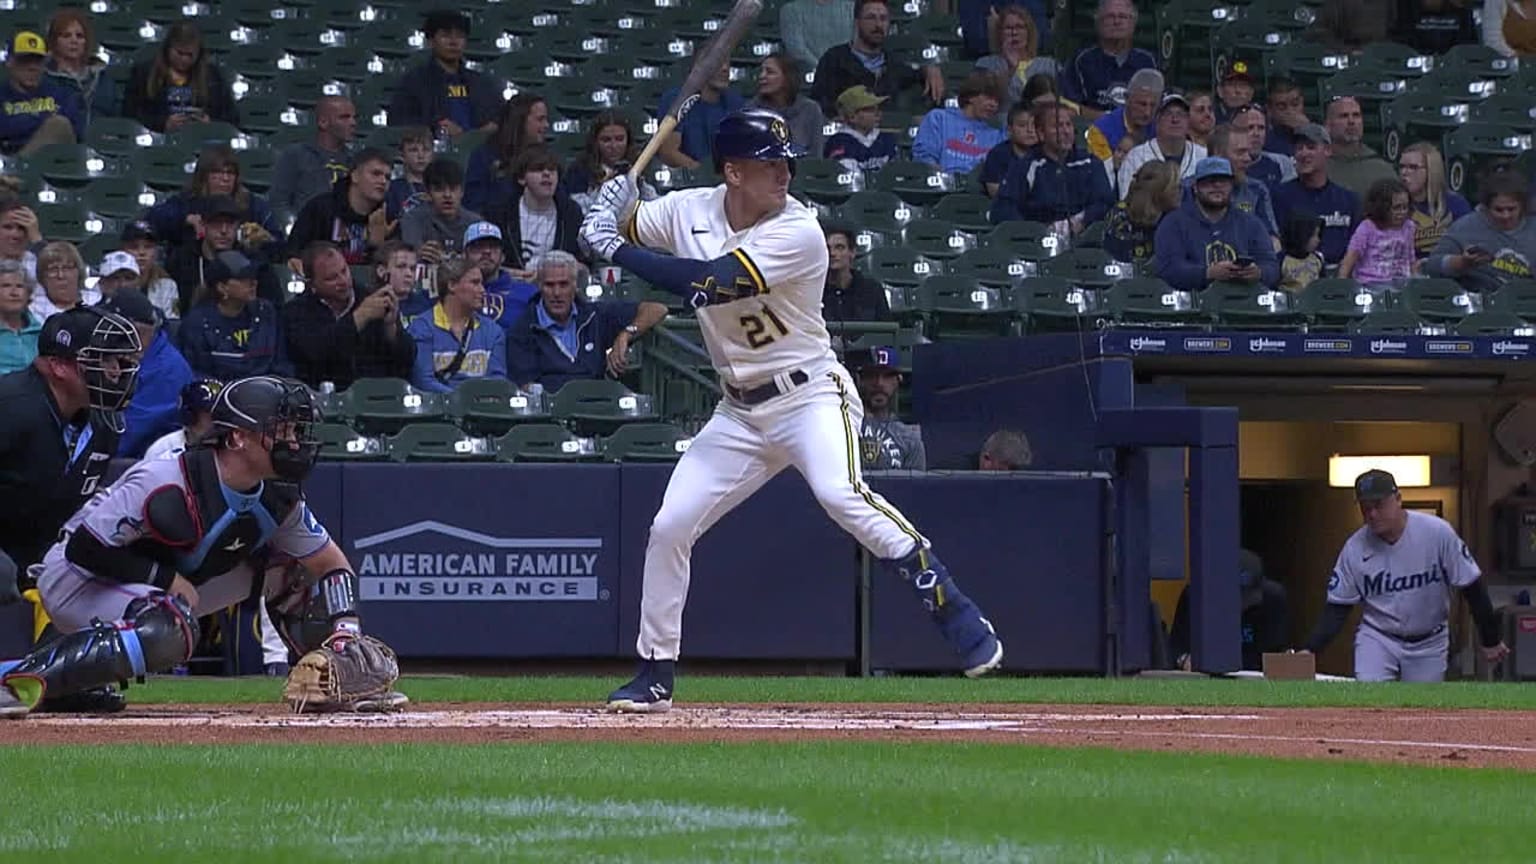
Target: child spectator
[
  {"x": 437, "y": 229},
  {"x": 138, "y": 239},
  {"x": 395, "y": 269},
  {"x": 1022, "y": 137},
  {"x": 179, "y": 85},
  {"x": 1300, "y": 263},
  {"x": 858, "y": 142},
  {"x": 1381, "y": 249},
  {"x": 538, "y": 219},
  {"x": 410, "y": 188},
  {"x": 955, "y": 139},
  {"x": 455, "y": 343}
]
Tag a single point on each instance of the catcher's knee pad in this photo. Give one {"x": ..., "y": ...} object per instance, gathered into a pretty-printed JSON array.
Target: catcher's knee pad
[{"x": 156, "y": 633}]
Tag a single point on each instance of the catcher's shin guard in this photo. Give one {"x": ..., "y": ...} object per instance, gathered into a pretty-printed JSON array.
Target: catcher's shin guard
[
  {"x": 957, "y": 616},
  {"x": 156, "y": 633}
]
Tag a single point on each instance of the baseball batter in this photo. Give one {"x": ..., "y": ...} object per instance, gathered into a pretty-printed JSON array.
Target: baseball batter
[
  {"x": 752, "y": 262},
  {"x": 1402, "y": 565}
]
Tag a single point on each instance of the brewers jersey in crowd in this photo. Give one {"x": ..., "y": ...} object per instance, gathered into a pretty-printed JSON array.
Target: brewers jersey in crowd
[
  {"x": 785, "y": 256},
  {"x": 1405, "y": 586}
]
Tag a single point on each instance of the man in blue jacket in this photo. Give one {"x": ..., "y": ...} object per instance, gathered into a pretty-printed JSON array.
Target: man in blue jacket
[
  {"x": 562, "y": 337},
  {"x": 1059, "y": 182},
  {"x": 1208, "y": 240},
  {"x": 155, "y": 407},
  {"x": 34, "y": 111}
]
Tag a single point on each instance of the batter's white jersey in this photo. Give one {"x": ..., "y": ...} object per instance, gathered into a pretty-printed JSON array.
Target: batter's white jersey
[
  {"x": 1405, "y": 586},
  {"x": 778, "y": 330}
]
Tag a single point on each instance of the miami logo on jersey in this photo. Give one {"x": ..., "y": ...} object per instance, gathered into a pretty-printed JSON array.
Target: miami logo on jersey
[{"x": 1383, "y": 582}]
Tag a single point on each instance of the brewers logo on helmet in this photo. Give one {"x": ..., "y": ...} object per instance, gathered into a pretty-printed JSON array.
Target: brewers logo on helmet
[{"x": 754, "y": 134}]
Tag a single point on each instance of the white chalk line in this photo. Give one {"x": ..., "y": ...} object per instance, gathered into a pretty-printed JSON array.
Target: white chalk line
[{"x": 1303, "y": 739}]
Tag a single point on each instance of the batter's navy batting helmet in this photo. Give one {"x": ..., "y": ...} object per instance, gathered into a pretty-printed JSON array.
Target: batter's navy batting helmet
[
  {"x": 754, "y": 134},
  {"x": 197, "y": 398}
]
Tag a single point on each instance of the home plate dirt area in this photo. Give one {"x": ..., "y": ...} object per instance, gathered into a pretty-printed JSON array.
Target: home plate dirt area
[{"x": 1438, "y": 737}]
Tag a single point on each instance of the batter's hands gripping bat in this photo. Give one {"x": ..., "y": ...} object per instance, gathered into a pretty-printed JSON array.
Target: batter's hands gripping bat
[{"x": 706, "y": 62}]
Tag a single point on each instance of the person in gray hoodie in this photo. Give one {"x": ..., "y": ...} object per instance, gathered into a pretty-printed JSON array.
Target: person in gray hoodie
[
  {"x": 437, "y": 230},
  {"x": 307, "y": 169},
  {"x": 1491, "y": 245}
]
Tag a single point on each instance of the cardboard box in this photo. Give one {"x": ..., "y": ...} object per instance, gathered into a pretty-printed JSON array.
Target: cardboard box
[{"x": 1284, "y": 666}]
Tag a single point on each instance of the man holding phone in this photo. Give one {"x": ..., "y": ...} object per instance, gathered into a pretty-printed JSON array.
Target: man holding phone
[
  {"x": 1207, "y": 240},
  {"x": 333, "y": 335}
]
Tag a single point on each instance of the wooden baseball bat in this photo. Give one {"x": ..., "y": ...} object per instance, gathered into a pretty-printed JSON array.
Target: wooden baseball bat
[{"x": 706, "y": 62}]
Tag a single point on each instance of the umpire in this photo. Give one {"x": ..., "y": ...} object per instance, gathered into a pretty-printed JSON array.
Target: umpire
[{"x": 60, "y": 419}]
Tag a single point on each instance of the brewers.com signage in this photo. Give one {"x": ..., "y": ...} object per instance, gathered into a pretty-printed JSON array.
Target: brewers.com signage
[{"x": 431, "y": 560}]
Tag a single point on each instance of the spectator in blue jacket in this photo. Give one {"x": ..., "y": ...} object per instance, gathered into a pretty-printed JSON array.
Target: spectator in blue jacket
[
  {"x": 1022, "y": 139},
  {"x": 858, "y": 142},
  {"x": 955, "y": 139},
  {"x": 76, "y": 64},
  {"x": 1059, "y": 182},
  {"x": 34, "y": 111},
  {"x": 506, "y": 295},
  {"x": 1208, "y": 240},
  {"x": 562, "y": 337},
  {"x": 231, "y": 333},
  {"x": 155, "y": 408},
  {"x": 456, "y": 342},
  {"x": 1098, "y": 76},
  {"x": 443, "y": 93},
  {"x": 1313, "y": 191}
]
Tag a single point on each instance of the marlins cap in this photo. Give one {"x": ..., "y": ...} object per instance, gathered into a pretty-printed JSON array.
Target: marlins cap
[{"x": 1375, "y": 485}]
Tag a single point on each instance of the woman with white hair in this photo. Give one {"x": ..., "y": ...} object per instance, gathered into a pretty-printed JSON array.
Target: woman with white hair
[
  {"x": 19, "y": 328},
  {"x": 60, "y": 281}
]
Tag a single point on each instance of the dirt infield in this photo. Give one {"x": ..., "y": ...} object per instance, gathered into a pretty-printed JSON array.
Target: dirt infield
[{"x": 1471, "y": 738}]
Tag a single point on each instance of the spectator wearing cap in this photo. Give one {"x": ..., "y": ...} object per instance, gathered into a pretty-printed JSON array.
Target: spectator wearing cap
[
  {"x": 849, "y": 294},
  {"x": 438, "y": 229},
  {"x": 1005, "y": 450},
  {"x": 154, "y": 408},
  {"x": 1060, "y": 184},
  {"x": 138, "y": 239},
  {"x": 179, "y": 85},
  {"x": 1098, "y": 76},
  {"x": 1248, "y": 195},
  {"x": 1133, "y": 120},
  {"x": 334, "y": 335},
  {"x": 456, "y": 343},
  {"x": 857, "y": 142},
  {"x": 1208, "y": 240},
  {"x": 1022, "y": 138},
  {"x": 61, "y": 281},
  {"x": 442, "y": 93},
  {"x": 1234, "y": 91},
  {"x": 1351, "y": 164},
  {"x": 506, "y": 295},
  {"x": 177, "y": 219},
  {"x": 564, "y": 337},
  {"x": 956, "y": 139},
  {"x": 864, "y": 60},
  {"x": 119, "y": 271},
  {"x": 540, "y": 219},
  {"x": 219, "y": 220},
  {"x": 1171, "y": 144},
  {"x": 691, "y": 143},
  {"x": 35, "y": 111},
  {"x": 76, "y": 63},
  {"x": 1017, "y": 58},
  {"x": 352, "y": 216},
  {"x": 230, "y": 332},
  {"x": 19, "y": 328},
  {"x": 810, "y": 28},
  {"x": 885, "y": 443},
  {"x": 1314, "y": 192},
  {"x": 307, "y": 168}
]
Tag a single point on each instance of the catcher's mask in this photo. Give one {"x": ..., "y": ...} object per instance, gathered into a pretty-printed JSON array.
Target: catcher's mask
[
  {"x": 106, "y": 349},
  {"x": 283, "y": 412}
]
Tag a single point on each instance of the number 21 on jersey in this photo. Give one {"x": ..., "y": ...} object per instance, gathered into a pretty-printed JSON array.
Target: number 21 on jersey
[{"x": 760, "y": 327}]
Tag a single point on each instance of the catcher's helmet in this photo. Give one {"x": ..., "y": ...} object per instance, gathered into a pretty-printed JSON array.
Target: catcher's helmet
[
  {"x": 276, "y": 408},
  {"x": 756, "y": 134}
]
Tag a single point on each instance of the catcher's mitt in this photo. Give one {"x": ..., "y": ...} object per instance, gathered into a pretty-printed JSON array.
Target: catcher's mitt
[{"x": 355, "y": 673}]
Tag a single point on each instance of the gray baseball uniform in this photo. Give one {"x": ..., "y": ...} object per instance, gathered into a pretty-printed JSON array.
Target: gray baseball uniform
[{"x": 1406, "y": 588}]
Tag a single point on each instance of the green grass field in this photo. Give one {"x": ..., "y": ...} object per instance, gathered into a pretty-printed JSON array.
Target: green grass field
[{"x": 805, "y": 802}]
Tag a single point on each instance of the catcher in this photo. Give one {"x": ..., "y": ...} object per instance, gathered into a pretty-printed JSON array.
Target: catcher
[{"x": 172, "y": 540}]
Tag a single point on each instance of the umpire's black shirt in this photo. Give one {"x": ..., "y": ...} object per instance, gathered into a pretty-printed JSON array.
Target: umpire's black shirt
[{"x": 49, "y": 465}]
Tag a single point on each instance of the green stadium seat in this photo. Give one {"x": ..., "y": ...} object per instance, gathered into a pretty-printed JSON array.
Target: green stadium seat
[
  {"x": 1016, "y": 232},
  {"x": 877, "y": 210},
  {"x": 1461, "y": 84},
  {"x": 340, "y": 442},
  {"x": 491, "y": 406},
  {"x": 385, "y": 405},
  {"x": 1333, "y": 304},
  {"x": 119, "y": 197},
  {"x": 1393, "y": 321},
  {"x": 898, "y": 265},
  {"x": 1307, "y": 63},
  {"x": 995, "y": 266},
  {"x": 74, "y": 165},
  {"x": 1517, "y": 296},
  {"x": 117, "y": 136},
  {"x": 1249, "y": 307},
  {"x": 1438, "y": 299},
  {"x": 63, "y": 220},
  {"x": 1506, "y": 108},
  {"x": 1252, "y": 39},
  {"x": 957, "y": 306},
  {"x": 1480, "y": 60},
  {"x": 1092, "y": 236},
  {"x": 967, "y": 210},
  {"x": 1085, "y": 266},
  {"x": 915, "y": 183},
  {"x": 937, "y": 239},
  {"x": 825, "y": 181},
  {"x": 438, "y": 442},
  {"x": 1494, "y": 324},
  {"x": 256, "y": 167},
  {"x": 1185, "y": 36},
  {"x": 1477, "y": 146},
  {"x": 598, "y": 406},
  {"x": 542, "y": 442},
  {"x": 164, "y": 167},
  {"x": 95, "y": 247},
  {"x": 1396, "y": 59},
  {"x": 1051, "y": 303},
  {"x": 1152, "y": 302},
  {"x": 1419, "y": 116},
  {"x": 646, "y": 442}
]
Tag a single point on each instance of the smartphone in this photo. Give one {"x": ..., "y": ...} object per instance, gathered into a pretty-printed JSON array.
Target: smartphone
[
  {"x": 1476, "y": 251},
  {"x": 1244, "y": 262}
]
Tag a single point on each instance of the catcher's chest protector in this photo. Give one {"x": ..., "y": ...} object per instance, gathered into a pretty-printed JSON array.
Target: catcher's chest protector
[{"x": 229, "y": 527}]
